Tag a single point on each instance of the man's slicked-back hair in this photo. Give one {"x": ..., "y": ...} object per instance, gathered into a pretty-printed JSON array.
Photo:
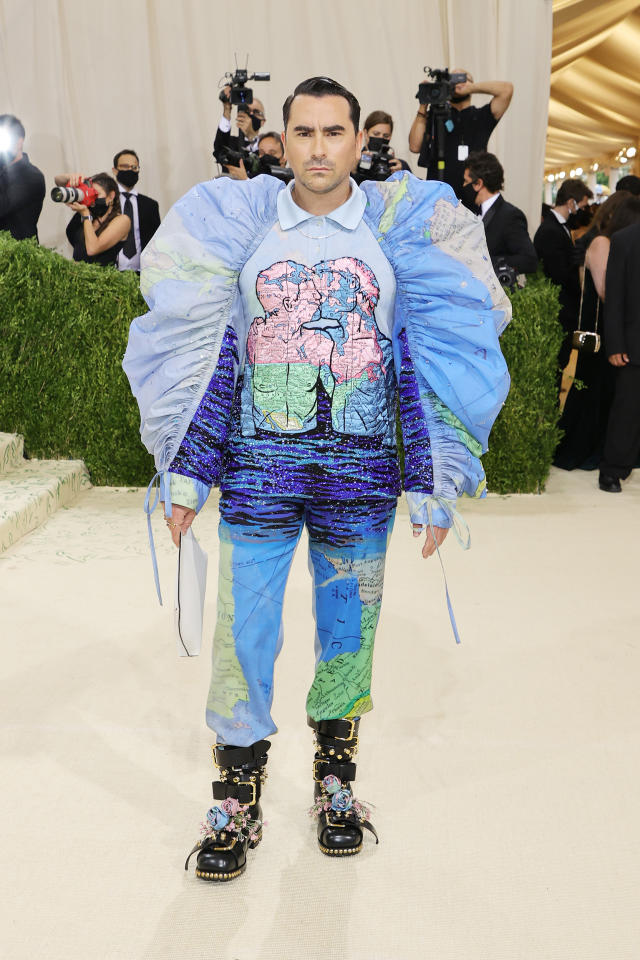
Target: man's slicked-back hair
[{"x": 322, "y": 87}]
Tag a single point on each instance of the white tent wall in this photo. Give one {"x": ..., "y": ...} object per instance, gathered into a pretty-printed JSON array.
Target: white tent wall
[{"x": 89, "y": 77}]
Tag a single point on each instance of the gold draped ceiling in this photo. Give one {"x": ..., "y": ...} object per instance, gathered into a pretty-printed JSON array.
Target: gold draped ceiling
[{"x": 594, "y": 108}]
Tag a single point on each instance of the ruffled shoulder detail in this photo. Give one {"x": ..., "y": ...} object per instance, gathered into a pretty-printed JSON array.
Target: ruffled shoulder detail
[
  {"x": 189, "y": 279},
  {"x": 449, "y": 299}
]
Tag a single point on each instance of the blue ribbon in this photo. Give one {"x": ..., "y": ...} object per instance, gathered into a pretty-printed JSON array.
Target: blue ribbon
[
  {"x": 160, "y": 481},
  {"x": 463, "y": 536}
]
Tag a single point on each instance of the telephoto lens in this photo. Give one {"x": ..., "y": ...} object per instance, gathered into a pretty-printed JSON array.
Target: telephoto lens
[{"x": 67, "y": 195}]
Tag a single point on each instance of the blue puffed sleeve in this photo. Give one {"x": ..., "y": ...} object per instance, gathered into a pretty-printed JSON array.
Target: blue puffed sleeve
[
  {"x": 189, "y": 279},
  {"x": 450, "y": 311}
]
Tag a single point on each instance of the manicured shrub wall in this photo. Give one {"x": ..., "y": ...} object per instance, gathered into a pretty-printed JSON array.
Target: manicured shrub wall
[
  {"x": 63, "y": 333},
  {"x": 525, "y": 435}
]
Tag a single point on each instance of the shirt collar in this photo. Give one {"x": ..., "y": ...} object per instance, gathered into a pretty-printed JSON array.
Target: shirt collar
[
  {"x": 486, "y": 204},
  {"x": 133, "y": 191},
  {"x": 558, "y": 216},
  {"x": 347, "y": 215}
]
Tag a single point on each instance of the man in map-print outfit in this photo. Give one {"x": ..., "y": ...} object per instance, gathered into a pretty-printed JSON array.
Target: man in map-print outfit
[{"x": 286, "y": 327}]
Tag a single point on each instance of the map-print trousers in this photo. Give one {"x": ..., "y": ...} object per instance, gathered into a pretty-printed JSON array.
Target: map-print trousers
[{"x": 258, "y": 537}]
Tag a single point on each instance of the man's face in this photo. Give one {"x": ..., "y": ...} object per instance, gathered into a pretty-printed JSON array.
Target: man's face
[
  {"x": 256, "y": 109},
  {"x": 270, "y": 147},
  {"x": 126, "y": 161},
  {"x": 320, "y": 142}
]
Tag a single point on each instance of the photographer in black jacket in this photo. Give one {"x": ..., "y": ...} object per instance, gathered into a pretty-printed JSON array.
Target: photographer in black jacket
[
  {"x": 504, "y": 224},
  {"x": 470, "y": 130},
  {"x": 22, "y": 186},
  {"x": 249, "y": 121}
]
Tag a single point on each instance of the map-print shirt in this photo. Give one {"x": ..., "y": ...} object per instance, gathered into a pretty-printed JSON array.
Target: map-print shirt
[{"x": 313, "y": 410}]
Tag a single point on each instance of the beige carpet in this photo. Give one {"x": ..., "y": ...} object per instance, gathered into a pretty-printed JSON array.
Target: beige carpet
[{"x": 504, "y": 771}]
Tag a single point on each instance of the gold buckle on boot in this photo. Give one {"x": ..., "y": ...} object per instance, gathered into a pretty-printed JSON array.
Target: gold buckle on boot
[
  {"x": 351, "y": 736},
  {"x": 315, "y": 772},
  {"x": 252, "y": 784}
]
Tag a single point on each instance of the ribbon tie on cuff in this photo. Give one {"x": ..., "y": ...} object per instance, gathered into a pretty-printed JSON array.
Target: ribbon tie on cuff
[
  {"x": 162, "y": 484},
  {"x": 463, "y": 536}
]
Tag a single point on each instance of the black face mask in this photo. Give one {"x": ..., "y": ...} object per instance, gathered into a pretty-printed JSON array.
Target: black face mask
[
  {"x": 99, "y": 207},
  {"x": 128, "y": 178},
  {"x": 255, "y": 123},
  {"x": 458, "y": 98},
  {"x": 468, "y": 196}
]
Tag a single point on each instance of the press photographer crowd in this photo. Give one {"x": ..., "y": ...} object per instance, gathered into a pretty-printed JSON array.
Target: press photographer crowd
[{"x": 588, "y": 246}]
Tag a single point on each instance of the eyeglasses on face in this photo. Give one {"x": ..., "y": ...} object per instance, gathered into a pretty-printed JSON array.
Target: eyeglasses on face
[{"x": 128, "y": 166}]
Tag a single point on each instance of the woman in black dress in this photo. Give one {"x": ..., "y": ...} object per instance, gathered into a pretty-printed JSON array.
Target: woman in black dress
[
  {"x": 97, "y": 233},
  {"x": 586, "y": 412}
]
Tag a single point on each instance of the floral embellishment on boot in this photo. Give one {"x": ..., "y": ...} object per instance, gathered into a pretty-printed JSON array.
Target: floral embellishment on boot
[
  {"x": 332, "y": 784},
  {"x": 338, "y": 799},
  {"x": 231, "y": 817}
]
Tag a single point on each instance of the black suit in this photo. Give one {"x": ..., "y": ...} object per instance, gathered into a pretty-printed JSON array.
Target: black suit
[
  {"x": 505, "y": 227},
  {"x": 22, "y": 192},
  {"x": 622, "y": 335},
  {"x": 554, "y": 247},
  {"x": 148, "y": 218}
]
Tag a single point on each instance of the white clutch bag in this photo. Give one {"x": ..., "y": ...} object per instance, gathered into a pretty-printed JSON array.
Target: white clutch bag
[{"x": 191, "y": 584}]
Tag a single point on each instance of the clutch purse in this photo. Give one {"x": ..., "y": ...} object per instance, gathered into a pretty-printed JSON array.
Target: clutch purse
[
  {"x": 191, "y": 584},
  {"x": 586, "y": 341}
]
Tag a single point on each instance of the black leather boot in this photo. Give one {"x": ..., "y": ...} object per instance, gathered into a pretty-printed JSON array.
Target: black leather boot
[
  {"x": 342, "y": 819},
  {"x": 235, "y": 825}
]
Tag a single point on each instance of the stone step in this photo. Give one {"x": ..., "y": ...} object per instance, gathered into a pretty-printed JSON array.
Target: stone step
[
  {"x": 11, "y": 452},
  {"x": 32, "y": 492}
]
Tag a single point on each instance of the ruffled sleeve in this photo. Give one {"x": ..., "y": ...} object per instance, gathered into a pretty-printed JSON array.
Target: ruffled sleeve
[
  {"x": 189, "y": 279},
  {"x": 450, "y": 310}
]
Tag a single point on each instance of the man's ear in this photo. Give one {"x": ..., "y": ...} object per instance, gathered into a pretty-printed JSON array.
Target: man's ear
[
  {"x": 480, "y": 181},
  {"x": 359, "y": 142}
]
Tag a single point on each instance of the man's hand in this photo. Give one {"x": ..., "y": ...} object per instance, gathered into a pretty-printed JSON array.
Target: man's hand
[
  {"x": 226, "y": 104},
  {"x": 430, "y": 543},
  {"x": 243, "y": 121},
  {"x": 179, "y": 522},
  {"x": 619, "y": 359},
  {"x": 238, "y": 173},
  {"x": 464, "y": 89}
]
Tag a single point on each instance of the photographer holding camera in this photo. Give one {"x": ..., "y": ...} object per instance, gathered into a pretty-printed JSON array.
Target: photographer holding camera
[
  {"x": 505, "y": 225},
  {"x": 378, "y": 160},
  {"x": 464, "y": 129},
  {"x": 22, "y": 186},
  {"x": 250, "y": 118},
  {"x": 269, "y": 158},
  {"x": 98, "y": 230}
]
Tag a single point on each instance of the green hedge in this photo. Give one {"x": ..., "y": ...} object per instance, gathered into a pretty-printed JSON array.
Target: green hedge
[
  {"x": 63, "y": 333},
  {"x": 526, "y": 434},
  {"x": 64, "y": 330}
]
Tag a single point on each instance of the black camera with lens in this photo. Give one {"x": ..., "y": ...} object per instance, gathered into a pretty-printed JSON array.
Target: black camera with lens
[
  {"x": 241, "y": 95},
  {"x": 506, "y": 274},
  {"x": 438, "y": 91},
  {"x": 270, "y": 165},
  {"x": 228, "y": 157},
  {"x": 374, "y": 164}
]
